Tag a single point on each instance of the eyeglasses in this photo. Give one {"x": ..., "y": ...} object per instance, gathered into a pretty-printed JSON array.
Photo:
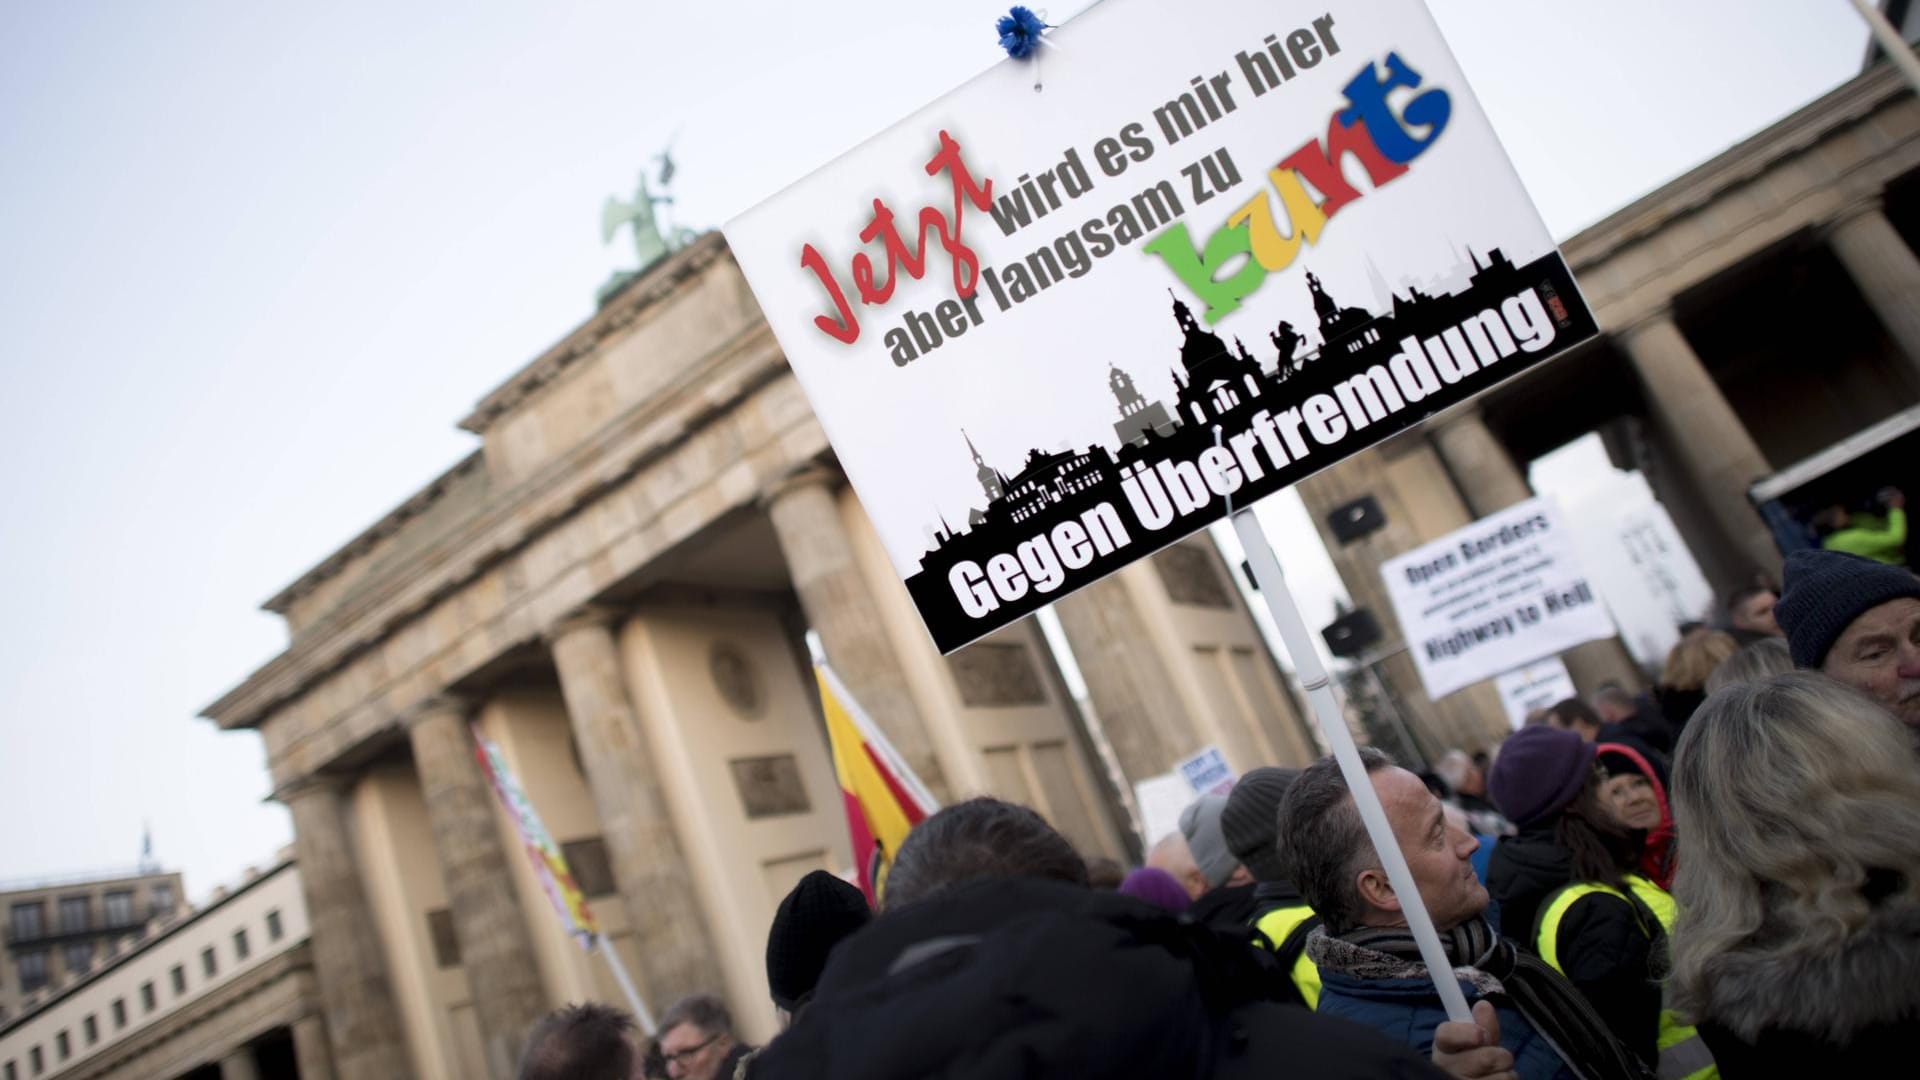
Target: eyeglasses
[{"x": 689, "y": 1053}]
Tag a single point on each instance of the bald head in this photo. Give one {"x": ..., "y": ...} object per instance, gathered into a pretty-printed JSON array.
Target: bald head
[{"x": 1173, "y": 855}]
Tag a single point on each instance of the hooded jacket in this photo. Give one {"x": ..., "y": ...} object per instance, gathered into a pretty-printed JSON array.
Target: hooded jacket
[
  {"x": 1656, "y": 856},
  {"x": 1012, "y": 979},
  {"x": 1605, "y": 944},
  {"x": 1776, "y": 1011}
]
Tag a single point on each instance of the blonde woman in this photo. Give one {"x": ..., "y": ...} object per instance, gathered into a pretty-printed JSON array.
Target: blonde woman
[
  {"x": 1796, "y": 949},
  {"x": 1683, "y": 681}
]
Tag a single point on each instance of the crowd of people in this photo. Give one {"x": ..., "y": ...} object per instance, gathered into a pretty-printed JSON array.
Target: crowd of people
[{"x": 1720, "y": 877}]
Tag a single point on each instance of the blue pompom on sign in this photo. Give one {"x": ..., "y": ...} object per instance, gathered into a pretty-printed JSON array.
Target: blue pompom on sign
[{"x": 1020, "y": 32}]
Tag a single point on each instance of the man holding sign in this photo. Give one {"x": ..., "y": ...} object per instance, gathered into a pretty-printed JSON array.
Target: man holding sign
[{"x": 1370, "y": 967}]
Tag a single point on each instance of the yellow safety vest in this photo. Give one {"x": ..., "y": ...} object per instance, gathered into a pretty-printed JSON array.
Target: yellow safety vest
[
  {"x": 1275, "y": 927},
  {"x": 1683, "y": 1053}
]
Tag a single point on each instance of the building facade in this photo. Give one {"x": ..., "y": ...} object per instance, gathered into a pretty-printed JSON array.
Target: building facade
[
  {"x": 226, "y": 992},
  {"x": 59, "y": 931},
  {"x": 615, "y": 588}
]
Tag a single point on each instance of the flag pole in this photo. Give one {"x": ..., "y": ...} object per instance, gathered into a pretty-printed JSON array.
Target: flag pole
[
  {"x": 619, "y": 968},
  {"x": 1326, "y": 709}
]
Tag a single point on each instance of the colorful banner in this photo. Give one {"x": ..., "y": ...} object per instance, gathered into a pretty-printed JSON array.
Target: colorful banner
[
  {"x": 1225, "y": 245},
  {"x": 549, "y": 865},
  {"x": 1502, "y": 592},
  {"x": 883, "y": 798}
]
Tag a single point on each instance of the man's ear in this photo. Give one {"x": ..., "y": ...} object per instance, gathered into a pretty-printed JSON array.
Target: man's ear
[{"x": 1375, "y": 890}]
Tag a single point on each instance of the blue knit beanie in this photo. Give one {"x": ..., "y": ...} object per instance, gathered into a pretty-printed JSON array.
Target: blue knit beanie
[
  {"x": 1538, "y": 772},
  {"x": 1825, "y": 591}
]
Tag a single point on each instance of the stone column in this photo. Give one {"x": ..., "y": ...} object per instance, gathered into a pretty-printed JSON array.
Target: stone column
[
  {"x": 675, "y": 946},
  {"x": 1714, "y": 447},
  {"x": 805, "y": 512},
  {"x": 1489, "y": 480},
  {"x": 1885, "y": 269},
  {"x": 1128, "y": 683},
  {"x": 495, "y": 946},
  {"x": 310, "y": 1054},
  {"x": 362, "y": 1019},
  {"x": 239, "y": 1065}
]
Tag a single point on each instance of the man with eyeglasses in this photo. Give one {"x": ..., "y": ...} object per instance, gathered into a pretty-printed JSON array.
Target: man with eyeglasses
[{"x": 697, "y": 1041}]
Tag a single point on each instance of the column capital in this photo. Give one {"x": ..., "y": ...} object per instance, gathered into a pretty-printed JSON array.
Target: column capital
[
  {"x": 313, "y": 783},
  {"x": 440, "y": 704},
  {"x": 584, "y": 617},
  {"x": 1872, "y": 202},
  {"x": 1642, "y": 319},
  {"x": 809, "y": 474}
]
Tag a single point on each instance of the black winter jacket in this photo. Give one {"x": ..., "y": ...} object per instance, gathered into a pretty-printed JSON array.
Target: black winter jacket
[
  {"x": 1606, "y": 945},
  {"x": 1009, "y": 979}
]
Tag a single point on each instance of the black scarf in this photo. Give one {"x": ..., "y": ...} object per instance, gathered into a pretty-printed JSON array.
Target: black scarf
[{"x": 1551, "y": 1004}]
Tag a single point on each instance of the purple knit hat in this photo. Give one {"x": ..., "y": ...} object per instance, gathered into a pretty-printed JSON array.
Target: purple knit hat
[
  {"x": 1538, "y": 772},
  {"x": 1156, "y": 886}
]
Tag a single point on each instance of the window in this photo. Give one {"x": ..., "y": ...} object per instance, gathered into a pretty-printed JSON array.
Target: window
[
  {"x": 274, "y": 930},
  {"x": 12, "y": 1073},
  {"x": 26, "y": 921},
  {"x": 78, "y": 955},
  {"x": 33, "y": 970},
  {"x": 120, "y": 908},
  {"x": 74, "y": 914},
  {"x": 119, "y": 1013},
  {"x": 146, "y": 996},
  {"x": 39, "y": 1062},
  {"x": 91, "y": 1029},
  {"x": 207, "y": 963},
  {"x": 591, "y": 869},
  {"x": 62, "y": 1046},
  {"x": 240, "y": 949},
  {"x": 163, "y": 898},
  {"x": 446, "y": 943},
  {"x": 179, "y": 974}
]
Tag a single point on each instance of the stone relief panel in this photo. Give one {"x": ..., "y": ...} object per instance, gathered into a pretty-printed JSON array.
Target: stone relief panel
[
  {"x": 770, "y": 786},
  {"x": 737, "y": 680},
  {"x": 1191, "y": 575},
  {"x": 992, "y": 674}
]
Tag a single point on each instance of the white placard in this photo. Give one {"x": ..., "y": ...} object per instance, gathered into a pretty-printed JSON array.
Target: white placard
[
  {"x": 1161, "y": 798},
  {"x": 1535, "y": 686},
  {"x": 1230, "y": 243},
  {"x": 1504, "y": 591}
]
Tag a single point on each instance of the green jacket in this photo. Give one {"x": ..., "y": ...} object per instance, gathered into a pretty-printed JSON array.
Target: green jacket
[{"x": 1887, "y": 544}]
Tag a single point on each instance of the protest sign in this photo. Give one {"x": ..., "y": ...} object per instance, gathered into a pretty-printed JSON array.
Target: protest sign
[
  {"x": 1207, "y": 772},
  {"x": 1161, "y": 798},
  {"x": 1534, "y": 686},
  {"x": 1050, "y": 333},
  {"x": 1504, "y": 591}
]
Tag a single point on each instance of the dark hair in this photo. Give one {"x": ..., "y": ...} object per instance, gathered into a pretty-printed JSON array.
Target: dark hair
[
  {"x": 1602, "y": 848},
  {"x": 1574, "y": 710},
  {"x": 1323, "y": 841},
  {"x": 704, "y": 1011},
  {"x": 579, "y": 1042},
  {"x": 979, "y": 838},
  {"x": 1104, "y": 873}
]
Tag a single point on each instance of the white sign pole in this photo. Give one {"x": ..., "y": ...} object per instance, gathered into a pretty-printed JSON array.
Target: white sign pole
[
  {"x": 1888, "y": 38},
  {"x": 1313, "y": 679},
  {"x": 605, "y": 948}
]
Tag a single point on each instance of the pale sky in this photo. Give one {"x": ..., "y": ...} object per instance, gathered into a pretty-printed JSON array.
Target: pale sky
[{"x": 257, "y": 259}]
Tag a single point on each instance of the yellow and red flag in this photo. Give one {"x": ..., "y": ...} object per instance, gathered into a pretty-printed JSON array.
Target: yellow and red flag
[{"x": 883, "y": 799}]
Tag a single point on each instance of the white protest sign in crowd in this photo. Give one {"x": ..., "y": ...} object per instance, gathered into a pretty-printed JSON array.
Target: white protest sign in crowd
[
  {"x": 1539, "y": 685},
  {"x": 1050, "y": 333},
  {"x": 1504, "y": 591}
]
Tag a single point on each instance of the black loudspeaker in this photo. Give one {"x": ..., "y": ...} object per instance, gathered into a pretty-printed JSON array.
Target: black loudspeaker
[
  {"x": 1356, "y": 520},
  {"x": 1352, "y": 634}
]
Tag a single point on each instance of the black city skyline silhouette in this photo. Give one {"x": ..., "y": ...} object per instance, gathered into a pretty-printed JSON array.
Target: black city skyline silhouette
[{"x": 1224, "y": 387}]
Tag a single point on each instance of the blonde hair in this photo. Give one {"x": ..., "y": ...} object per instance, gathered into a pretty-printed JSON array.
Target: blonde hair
[
  {"x": 1768, "y": 656},
  {"x": 1691, "y": 661},
  {"x": 1786, "y": 793}
]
